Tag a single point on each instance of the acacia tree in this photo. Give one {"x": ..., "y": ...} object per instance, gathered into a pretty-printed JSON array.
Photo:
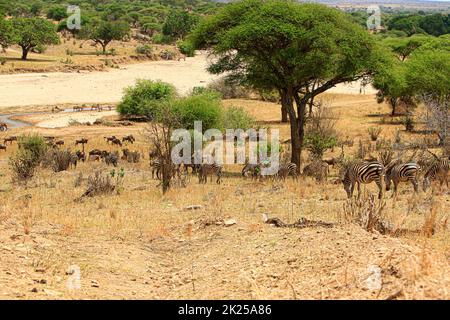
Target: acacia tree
[
  {"x": 393, "y": 88},
  {"x": 33, "y": 32},
  {"x": 103, "y": 32},
  {"x": 7, "y": 34},
  {"x": 301, "y": 49},
  {"x": 428, "y": 76}
]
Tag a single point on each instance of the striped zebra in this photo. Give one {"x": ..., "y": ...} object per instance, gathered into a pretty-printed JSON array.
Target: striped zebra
[
  {"x": 209, "y": 169},
  {"x": 156, "y": 166},
  {"x": 287, "y": 169},
  {"x": 253, "y": 169},
  {"x": 437, "y": 171},
  {"x": 402, "y": 172},
  {"x": 364, "y": 172}
]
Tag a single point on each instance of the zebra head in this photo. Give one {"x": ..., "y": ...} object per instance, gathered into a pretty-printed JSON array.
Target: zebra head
[{"x": 346, "y": 181}]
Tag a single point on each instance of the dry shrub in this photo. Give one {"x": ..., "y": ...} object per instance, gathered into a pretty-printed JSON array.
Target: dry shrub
[
  {"x": 374, "y": 132},
  {"x": 103, "y": 184},
  {"x": 228, "y": 89},
  {"x": 57, "y": 160},
  {"x": 367, "y": 212},
  {"x": 316, "y": 169}
]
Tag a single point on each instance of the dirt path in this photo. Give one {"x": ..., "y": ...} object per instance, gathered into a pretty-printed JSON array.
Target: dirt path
[
  {"x": 98, "y": 87},
  {"x": 107, "y": 87}
]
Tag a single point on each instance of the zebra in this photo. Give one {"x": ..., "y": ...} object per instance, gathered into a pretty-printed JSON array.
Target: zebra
[
  {"x": 254, "y": 169},
  {"x": 209, "y": 169},
  {"x": 112, "y": 158},
  {"x": 402, "y": 173},
  {"x": 363, "y": 172},
  {"x": 287, "y": 169},
  {"x": 437, "y": 171}
]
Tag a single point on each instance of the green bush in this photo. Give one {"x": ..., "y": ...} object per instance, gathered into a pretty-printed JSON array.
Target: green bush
[
  {"x": 162, "y": 39},
  {"x": 317, "y": 144},
  {"x": 237, "y": 118},
  {"x": 186, "y": 48},
  {"x": 35, "y": 144},
  {"x": 204, "y": 107},
  {"x": 144, "y": 49},
  {"x": 145, "y": 98},
  {"x": 24, "y": 162}
]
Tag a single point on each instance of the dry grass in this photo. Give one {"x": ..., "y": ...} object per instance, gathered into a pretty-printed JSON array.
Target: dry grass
[{"x": 142, "y": 244}]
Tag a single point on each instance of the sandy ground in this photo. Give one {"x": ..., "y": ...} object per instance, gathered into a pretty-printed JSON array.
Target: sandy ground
[{"x": 107, "y": 87}]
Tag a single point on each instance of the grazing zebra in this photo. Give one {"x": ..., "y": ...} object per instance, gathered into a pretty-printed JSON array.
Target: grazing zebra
[
  {"x": 364, "y": 172},
  {"x": 254, "y": 169},
  {"x": 209, "y": 169},
  {"x": 157, "y": 168},
  {"x": 2, "y": 147},
  {"x": 3, "y": 127},
  {"x": 287, "y": 169},
  {"x": 437, "y": 171},
  {"x": 317, "y": 169},
  {"x": 402, "y": 173}
]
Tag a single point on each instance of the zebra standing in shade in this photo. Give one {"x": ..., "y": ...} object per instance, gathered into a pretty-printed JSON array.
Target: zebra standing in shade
[
  {"x": 287, "y": 169},
  {"x": 402, "y": 172},
  {"x": 365, "y": 172},
  {"x": 437, "y": 171},
  {"x": 209, "y": 169}
]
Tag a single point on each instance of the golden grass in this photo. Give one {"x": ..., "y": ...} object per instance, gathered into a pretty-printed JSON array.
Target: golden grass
[{"x": 142, "y": 244}]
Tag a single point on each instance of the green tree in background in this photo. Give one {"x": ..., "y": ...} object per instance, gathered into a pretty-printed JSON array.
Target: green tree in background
[
  {"x": 33, "y": 32},
  {"x": 178, "y": 24},
  {"x": 103, "y": 32}
]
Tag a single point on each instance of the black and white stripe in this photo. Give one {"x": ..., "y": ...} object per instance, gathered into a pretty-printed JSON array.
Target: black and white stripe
[
  {"x": 437, "y": 171},
  {"x": 209, "y": 169},
  {"x": 402, "y": 172},
  {"x": 287, "y": 169},
  {"x": 365, "y": 172}
]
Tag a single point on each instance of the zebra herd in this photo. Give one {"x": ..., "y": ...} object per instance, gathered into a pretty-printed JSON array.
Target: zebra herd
[
  {"x": 368, "y": 172},
  {"x": 354, "y": 175}
]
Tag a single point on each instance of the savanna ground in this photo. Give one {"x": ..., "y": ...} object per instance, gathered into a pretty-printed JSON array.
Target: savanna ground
[{"x": 142, "y": 244}]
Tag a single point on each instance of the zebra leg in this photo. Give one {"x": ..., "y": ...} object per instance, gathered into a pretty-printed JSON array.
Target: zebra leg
[
  {"x": 416, "y": 185},
  {"x": 380, "y": 188},
  {"x": 359, "y": 190}
]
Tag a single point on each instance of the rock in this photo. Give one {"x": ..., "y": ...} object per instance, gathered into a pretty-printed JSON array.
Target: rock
[
  {"x": 194, "y": 207},
  {"x": 41, "y": 270},
  {"x": 95, "y": 284},
  {"x": 34, "y": 290},
  {"x": 229, "y": 222}
]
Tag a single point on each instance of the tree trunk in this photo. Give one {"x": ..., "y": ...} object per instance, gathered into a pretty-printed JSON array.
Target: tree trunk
[
  {"x": 104, "y": 47},
  {"x": 394, "y": 107},
  {"x": 295, "y": 141},
  {"x": 284, "y": 103},
  {"x": 301, "y": 113},
  {"x": 25, "y": 51}
]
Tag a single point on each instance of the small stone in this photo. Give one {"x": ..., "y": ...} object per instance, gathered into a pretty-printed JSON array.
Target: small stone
[
  {"x": 34, "y": 290},
  {"x": 41, "y": 270},
  {"x": 95, "y": 284},
  {"x": 229, "y": 222}
]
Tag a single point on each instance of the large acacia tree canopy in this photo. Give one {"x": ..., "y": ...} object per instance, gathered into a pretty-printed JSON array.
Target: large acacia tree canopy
[{"x": 296, "y": 43}]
